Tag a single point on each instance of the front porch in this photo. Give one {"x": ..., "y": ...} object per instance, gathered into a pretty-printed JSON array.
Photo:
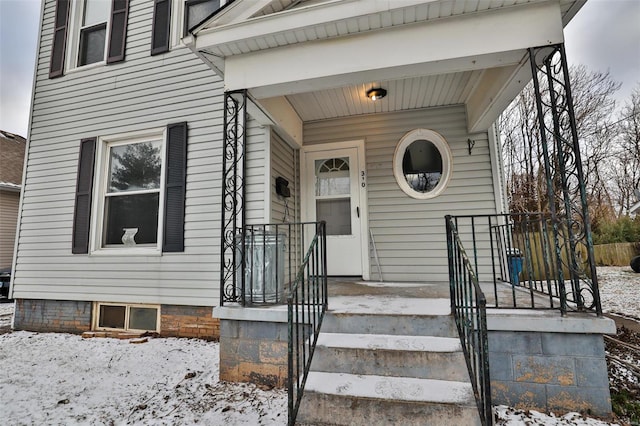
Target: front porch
[
  {"x": 403, "y": 336},
  {"x": 362, "y": 185}
]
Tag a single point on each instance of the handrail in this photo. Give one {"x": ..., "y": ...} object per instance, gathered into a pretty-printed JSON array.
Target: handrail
[
  {"x": 530, "y": 253},
  {"x": 469, "y": 307},
  {"x": 307, "y": 302}
]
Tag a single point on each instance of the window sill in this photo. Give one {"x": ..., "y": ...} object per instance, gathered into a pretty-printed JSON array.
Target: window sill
[
  {"x": 85, "y": 67},
  {"x": 122, "y": 251}
]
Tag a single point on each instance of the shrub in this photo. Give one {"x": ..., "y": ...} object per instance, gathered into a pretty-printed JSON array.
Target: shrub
[{"x": 622, "y": 230}]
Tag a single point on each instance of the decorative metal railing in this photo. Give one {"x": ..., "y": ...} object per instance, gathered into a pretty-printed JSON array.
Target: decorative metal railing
[
  {"x": 233, "y": 193},
  {"x": 518, "y": 250},
  {"x": 566, "y": 191},
  {"x": 307, "y": 302},
  {"x": 469, "y": 307}
]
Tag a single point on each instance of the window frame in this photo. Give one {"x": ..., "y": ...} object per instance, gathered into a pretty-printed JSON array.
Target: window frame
[
  {"x": 101, "y": 178},
  {"x": 73, "y": 44},
  {"x": 95, "y": 320},
  {"x": 447, "y": 162},
  {"x": 178, "y": 21}
]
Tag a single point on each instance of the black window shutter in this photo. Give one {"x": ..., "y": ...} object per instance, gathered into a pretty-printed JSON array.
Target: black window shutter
[
  {"x": 118, "y": 34},
  {"x": 161, "y": 29},
  {"x": 58, "y": 47},
  {"x": 84, "y": 187},
  {"x": 175, "y": 184}
]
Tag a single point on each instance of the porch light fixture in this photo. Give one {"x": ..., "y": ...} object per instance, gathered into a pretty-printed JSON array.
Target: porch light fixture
[{"x": 375, "y": 94}]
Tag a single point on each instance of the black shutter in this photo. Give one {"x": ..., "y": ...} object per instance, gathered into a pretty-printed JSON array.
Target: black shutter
[
  {"x": 176, "y": 164},
  {"x": 118, "y": 34},
  {"x": 58, "y": 48},
  {"x": 161, "y": 29},
  {"x": 84, "y": 187}
]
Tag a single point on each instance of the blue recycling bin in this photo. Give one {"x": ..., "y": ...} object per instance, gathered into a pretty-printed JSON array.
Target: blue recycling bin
[{"x": 514, "y": 259}]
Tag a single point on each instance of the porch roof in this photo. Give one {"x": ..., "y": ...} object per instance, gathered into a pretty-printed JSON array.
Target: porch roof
[{"x": 323, "y": 55}]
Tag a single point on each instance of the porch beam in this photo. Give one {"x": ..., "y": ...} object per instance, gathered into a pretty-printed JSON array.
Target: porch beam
[
  {"x": 484, "y": 40},
  {"x": 277, "y": 113},
  {"x": 494, "y": 91},
  {"x": 285, "y": 118}
]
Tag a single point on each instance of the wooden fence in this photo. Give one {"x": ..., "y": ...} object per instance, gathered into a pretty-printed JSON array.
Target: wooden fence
[
  {"x": 536, "y": 267},
  {"x": 616, "y": 254}
]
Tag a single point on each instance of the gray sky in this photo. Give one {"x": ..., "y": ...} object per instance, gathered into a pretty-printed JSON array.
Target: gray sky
[{"x": 604, "y": 35}]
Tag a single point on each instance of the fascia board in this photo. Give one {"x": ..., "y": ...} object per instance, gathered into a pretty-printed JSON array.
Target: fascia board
[{"x": 447, "y": 46}]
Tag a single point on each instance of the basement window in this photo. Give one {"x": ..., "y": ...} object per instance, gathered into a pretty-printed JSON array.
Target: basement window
[
  {"x": 422, "y": 164},
  {"x": 127, "y": 317}
]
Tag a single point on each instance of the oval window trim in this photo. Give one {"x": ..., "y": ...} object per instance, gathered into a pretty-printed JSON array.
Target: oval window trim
[{"x": 445, "y": 152}]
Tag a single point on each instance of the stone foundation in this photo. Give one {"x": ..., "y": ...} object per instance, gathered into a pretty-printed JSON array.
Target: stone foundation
[
  {"x": 189, "y": 321},
  {"x": 554, "y": 369},
  {"x": 64, "y": 316},
  {"x": 52, "y": 316},
  {"x": 254, "y": 348}
]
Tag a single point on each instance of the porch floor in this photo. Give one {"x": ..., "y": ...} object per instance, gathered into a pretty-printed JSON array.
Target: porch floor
[{"x": 375, "y": 293}]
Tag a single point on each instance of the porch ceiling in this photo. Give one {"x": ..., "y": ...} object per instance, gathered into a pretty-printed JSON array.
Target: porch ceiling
[
  {"x": 323, "y": 55},
  {"x": 404, "y": 94}
]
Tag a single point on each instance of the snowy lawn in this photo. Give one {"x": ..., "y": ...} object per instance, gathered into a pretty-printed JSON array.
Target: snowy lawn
[
  {"x": 52, "y": 378},
  {"x": 619, "y": 290}
]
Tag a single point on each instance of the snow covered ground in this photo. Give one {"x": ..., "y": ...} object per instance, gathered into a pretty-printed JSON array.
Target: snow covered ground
[
  {"x": 619, "y": 290},
  {"x": 51, "y": 378},
  {"x": 6, "y": 312},
  {"x": 63, "y": 379}
]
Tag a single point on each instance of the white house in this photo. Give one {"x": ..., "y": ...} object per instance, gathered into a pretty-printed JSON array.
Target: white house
[{"x": 159, "y": 128}]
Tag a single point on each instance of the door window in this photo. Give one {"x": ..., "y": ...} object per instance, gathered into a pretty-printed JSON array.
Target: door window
[{"x": 333, "y": 195}]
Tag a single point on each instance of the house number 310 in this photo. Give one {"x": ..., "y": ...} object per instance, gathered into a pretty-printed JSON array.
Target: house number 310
[{"x": 362, "y": 179}]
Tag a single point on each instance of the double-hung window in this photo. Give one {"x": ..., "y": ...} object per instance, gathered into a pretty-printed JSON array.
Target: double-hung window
[
  {"x": 133, "y": 192},
  {"x": 88, "y": 32},
  {"x": 92, "y": 32},
  {"x": 130, "y": 192}
]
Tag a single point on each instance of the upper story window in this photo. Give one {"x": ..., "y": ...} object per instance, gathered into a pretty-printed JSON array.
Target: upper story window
[
  {"x": 172, "y": 20},
  {"x": 93, "y": 31},
  {"x": 196, "y": 11},
  {"x": 88, "y": 32}
]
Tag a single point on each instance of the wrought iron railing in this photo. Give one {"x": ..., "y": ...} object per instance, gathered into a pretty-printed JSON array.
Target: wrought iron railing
[
  {"x": 268, "y": 258},
  {"x": 469, "y": 307},
  {"x": 307, "y": 302},
  {"x": 522, "y": 260}
]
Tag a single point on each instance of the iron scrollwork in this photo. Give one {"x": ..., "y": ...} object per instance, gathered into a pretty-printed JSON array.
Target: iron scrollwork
[
  {"x": 233, "y": 194},
  {"x": 565, "y": 180}
]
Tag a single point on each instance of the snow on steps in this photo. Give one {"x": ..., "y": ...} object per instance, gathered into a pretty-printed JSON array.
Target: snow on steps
[
  {"x": 390, "y": 315},
  {"x": 388, "y": 360},
  {"x": 348, "y": 399},
  {"x": 431, "y": 357}
]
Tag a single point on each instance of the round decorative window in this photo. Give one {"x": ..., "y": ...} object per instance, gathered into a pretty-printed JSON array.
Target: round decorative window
[{"x": 422, "y": 164}]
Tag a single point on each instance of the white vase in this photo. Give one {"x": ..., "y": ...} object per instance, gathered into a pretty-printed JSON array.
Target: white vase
[{"x": 128, "y": 238}]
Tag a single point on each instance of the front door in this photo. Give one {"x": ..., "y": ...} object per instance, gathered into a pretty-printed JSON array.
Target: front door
[{"x": 334, "y": 191}]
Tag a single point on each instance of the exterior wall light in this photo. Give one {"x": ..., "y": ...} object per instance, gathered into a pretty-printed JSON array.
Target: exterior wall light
[{"x": 375, "y": 94}]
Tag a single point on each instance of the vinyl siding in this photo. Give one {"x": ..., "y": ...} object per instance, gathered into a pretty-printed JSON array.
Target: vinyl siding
[
  {"x": 257, "y": 137},
  {"x": 140, "y": 94},
  {"x": 8, "y": 219},
  {"x": 285, "y": 162},
  {"x": 409, "y": 233}
]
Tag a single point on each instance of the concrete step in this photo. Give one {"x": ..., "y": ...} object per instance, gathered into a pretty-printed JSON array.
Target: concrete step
[
  {"x": 347, "y": 399},
  {"x": 391, "y": 355},
  {"x": 389, "y": 315}
]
